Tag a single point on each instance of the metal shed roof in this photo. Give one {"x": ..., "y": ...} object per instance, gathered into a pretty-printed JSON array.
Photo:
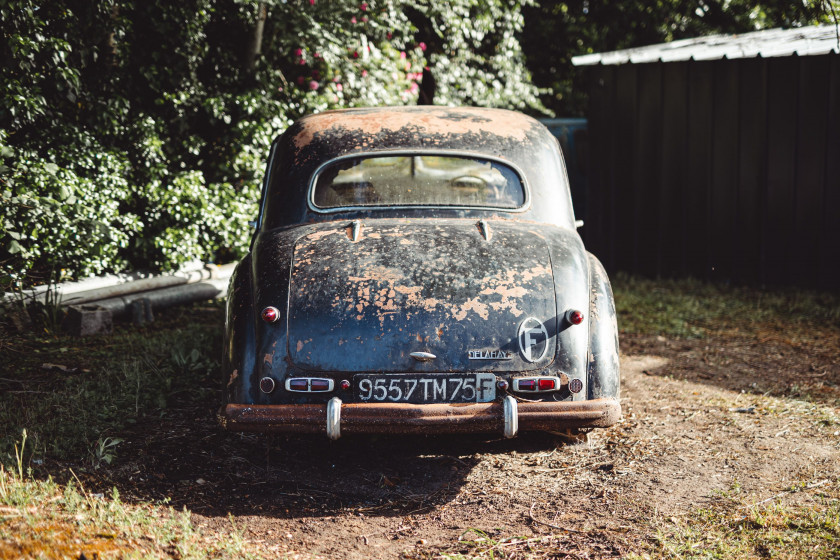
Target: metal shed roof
[{"x": 804, "y": 41}]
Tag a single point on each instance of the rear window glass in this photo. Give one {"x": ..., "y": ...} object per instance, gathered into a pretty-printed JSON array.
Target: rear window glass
[{"x": 418, "y": 180}]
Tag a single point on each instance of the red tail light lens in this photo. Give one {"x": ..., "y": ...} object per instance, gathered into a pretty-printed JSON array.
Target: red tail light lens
[
  {"x": 574, "y": 316},
  {"x": 270, "y": 314},
  {"x": 298, "y": 384},
  {"x": 319, "y": 385},
  {"x": 345, "y": 384},
  {"x": 546, "y": 384},
  {"x": 527, "y": 385}
]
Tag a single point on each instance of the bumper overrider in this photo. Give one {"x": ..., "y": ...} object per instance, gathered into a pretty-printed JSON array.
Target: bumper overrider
[{"x": 507, "y": 417}]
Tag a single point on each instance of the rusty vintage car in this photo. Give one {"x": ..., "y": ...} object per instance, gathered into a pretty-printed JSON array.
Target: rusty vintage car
[{"x": 418, "y": 270}]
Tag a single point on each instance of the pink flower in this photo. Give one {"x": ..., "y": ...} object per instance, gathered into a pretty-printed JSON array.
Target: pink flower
[
  {"x": 422, "y": 46},
  {"x": 339, "y": 87},
  {"x": 311, "y": 2},
  {"x": 353, "y": 19},
  {"x": 414, "y": 87},
  {"x": 298, "y": 52},
  {"x": 389, "y": 35},
  {"x": 364, "y": 73},
  {"x": 402, "y": 55},
  {"x": 364, "y": 19},
  {"x": 301, "y": 62},
  {"x": 355, "y": 54},
  {"x": 363, "y": 7},
  {"x": 317, "y": 55},
  {"x": 313, "y": 84}
]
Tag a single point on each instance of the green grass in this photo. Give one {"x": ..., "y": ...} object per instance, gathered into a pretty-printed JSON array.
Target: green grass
[
  {"x": 734, "y": 528},
  {"x": 110, "y": 382},
  {"x": 689, "y": 308},
  {"x": 42, "y": 519}
]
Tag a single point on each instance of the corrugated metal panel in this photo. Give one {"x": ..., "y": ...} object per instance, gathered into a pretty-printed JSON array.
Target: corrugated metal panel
[{"x": 804, "y": 41}]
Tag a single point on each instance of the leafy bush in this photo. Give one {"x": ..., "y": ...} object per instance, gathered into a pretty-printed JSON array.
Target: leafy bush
[
  {"x": 63, "y": 209},
  {"x": 135, "y": 133}
]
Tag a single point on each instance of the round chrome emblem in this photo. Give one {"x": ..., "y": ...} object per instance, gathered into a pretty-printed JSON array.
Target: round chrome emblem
[{"x": 533, "y": 339}]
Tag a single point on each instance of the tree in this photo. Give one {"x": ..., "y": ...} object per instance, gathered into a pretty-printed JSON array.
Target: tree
[
  {"x": 134, "y": 134},
  {"x": 556, "y": 31}
]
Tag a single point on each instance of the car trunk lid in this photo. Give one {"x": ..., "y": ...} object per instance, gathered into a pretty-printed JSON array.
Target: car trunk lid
[{"x": 364, "y": 296}]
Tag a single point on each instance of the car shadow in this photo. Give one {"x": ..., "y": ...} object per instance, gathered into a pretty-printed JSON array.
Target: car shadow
[{"x": 188, "y": 461}]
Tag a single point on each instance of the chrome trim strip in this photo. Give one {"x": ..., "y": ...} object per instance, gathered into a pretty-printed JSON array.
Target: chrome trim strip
[
  {"x": 334, "y": 418},
  {"x": 485, "y": 229},
  {"x": 511, "y": 417},
  {"x": 422, "y": 356},
  {"x": 526, "y": 205}
]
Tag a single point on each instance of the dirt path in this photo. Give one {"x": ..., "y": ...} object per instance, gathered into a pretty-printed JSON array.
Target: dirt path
[{"x": 690, "y": 437}]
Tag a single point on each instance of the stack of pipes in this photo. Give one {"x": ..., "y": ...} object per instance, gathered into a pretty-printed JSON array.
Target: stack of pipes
[{"x": 92, "y": 304}]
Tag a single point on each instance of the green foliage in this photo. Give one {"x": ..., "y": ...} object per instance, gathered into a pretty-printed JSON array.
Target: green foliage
[
  {"x": 135, "y": 133},
  {"x": 556, "y": 31}
]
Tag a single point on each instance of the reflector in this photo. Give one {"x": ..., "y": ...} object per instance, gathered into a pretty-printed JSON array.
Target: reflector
[
  {"x": 547, "y": 384},
  {"x": 266, "y": 385}
]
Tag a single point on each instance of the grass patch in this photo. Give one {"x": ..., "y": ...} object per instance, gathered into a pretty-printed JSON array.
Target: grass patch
[
  {"x": 690, "y": 308},
  {"x": 74, "y": 395},
  {"x": 42, "y": 519},
  {"x": 735, "y": 529}
]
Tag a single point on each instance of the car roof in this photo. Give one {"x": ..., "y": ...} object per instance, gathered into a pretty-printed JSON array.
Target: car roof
[
  {"x": 421, "y": 123},
  {"x": 497, "y": 133}
]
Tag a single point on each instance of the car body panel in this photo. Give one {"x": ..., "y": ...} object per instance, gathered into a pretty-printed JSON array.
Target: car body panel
[{"x": 422, "y": 290}]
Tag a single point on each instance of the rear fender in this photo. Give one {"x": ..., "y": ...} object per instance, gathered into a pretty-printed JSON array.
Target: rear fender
[
  {"x": 240, "y": 341},
  {"x": 603, "y": 365}
]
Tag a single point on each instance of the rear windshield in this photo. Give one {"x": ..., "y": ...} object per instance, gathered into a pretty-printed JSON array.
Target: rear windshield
[{"x": 415, "y": 180}]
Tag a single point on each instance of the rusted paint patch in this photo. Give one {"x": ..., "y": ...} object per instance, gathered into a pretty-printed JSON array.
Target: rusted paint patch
[
  {"x": 448, "y": 275},
  {"x": 234, "y": 374},
  {"x": 367, "y": 122}
]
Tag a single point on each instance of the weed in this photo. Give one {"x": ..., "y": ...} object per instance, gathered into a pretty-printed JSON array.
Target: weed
[{"x": 104, "y": 451}]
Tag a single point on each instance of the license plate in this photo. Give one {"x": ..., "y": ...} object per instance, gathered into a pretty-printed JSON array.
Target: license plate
[{"x": 420, "y": 388}]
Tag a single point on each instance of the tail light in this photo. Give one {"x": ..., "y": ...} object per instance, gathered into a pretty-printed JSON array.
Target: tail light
[
  {"x": 270, "y": 314},
  {"x": 536, "y": 384},
  {"x": 574, "y": 316},
  {"x": 309, "y": 385}
]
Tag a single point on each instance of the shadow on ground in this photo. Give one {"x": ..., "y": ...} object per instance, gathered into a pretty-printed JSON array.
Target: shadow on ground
[{"x": 191, "y": 462}]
